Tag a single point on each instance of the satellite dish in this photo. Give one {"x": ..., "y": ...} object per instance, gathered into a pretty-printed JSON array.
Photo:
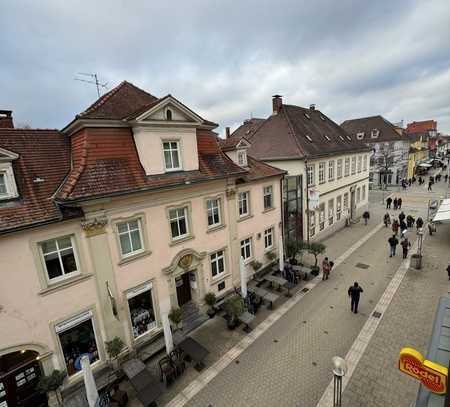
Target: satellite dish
[{"x": 339, "y": 366}]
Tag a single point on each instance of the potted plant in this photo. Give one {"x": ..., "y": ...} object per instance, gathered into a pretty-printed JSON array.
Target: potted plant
[
  {"x": 316, "y": 249},
  {"x": 234, "y": 307},
  {"x": 271, "y": 255},
  {"x": 256, "y": 265},
  {"x": 176, "y": 317},
  {"x": 52, "y": 383},
  {"x": 113, "y": 348},
  {"x": 210, "y": 300}
]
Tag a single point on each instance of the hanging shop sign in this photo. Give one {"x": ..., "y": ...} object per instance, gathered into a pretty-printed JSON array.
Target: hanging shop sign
[
  {"x": 432, "y": 375},
  {"x": 313, "y": 196}
]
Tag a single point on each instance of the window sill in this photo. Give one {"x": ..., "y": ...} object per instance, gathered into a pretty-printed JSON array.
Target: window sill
[
  {"x": 248, "y": 261},
  {"x": 268, "y": 209},
  {"x": 218, "y": 279},
  {"x": 269, "y": 249},
  {"x": 245, "y": 218},
  {"x": 183, "y": 239},
  {"x": 64, "y": 284},
  {"x": 215, "y": 228},
  {"x": 142, "y": 339},
  {"x": 129, "y": 259}
]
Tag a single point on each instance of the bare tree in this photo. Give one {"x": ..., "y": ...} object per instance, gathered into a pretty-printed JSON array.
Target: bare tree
[{"x": 384, "y": 161}]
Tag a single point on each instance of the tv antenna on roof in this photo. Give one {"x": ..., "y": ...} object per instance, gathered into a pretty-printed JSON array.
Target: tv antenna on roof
[{"x": 94, "y": 81}]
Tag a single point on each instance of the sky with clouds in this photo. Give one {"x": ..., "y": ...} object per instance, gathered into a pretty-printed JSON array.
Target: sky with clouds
[{"x": 225, "y": 59}]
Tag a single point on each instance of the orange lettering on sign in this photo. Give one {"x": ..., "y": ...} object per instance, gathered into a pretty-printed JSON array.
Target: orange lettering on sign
[{"x": 432, "y": 375}]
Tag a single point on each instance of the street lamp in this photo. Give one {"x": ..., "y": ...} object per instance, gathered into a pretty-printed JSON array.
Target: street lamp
[
  {"x": 419, "y": 247},
  {"x": 339, "y": 370}
]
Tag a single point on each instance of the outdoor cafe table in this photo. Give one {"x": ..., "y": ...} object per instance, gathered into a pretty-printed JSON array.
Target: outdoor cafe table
[
  {"x": 271, "y": 297},
  {"x": 195, "y": 351},
  {"x": 302, "y": 269},
  {"x": 261, "y": 292},
  {"x": 246, "y": 318},
  {"x": 280, "y": 281}
]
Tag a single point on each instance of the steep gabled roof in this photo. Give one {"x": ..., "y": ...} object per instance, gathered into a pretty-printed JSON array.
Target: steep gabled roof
[
  {"x": 43, "y": 163},
  {"x": 295, "y": 133},
  {"x": 365, "y": 125},
  {"x": 421, "y": 126}
]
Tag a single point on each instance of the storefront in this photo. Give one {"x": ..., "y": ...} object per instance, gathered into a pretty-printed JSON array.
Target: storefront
[
  {"x": 293, "y": 219},
  {"x": 142, "y": 310},
  {"x": 77, "y": 338}
]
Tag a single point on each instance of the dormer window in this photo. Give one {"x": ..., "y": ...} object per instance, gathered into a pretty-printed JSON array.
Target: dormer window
[
  {"x": 375, "y": 133},
  {"x": 168, "y": 114},
  {"x": 8, "y": 187},
  {"x": 172, "y": 159},
  {"x": 242, "y": 158},
  {"x": 3, "y": 190},
  {"x": 360, "y": 136}
]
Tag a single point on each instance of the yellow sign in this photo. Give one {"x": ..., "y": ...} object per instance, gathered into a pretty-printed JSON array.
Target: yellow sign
[{"x": 432, "y": 375}]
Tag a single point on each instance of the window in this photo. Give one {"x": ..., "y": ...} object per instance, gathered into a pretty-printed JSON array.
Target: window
[
  {"x": 178, "y": 222},
  {"x": 246, "y": 248},
  {"x": 330, "y": 211},
  {"x": 268, "y": 238},
  {"x": 310, "y": 174},
  {"x": 330, "y": 170},
  {"x": 242, "y": 158},
  {"x": 321, "y": 173},
  {"x": 142, "y": 312},
  {"x": 365, "y": 163},
  {"x": 59, "y": 258},
  {"x": 347, "y": 167},
  {"x": 322, "y": 216},
  {"x": 168, "y": 114},
  {"x": 312, "y": 223},
  {"x": 359, "y": 163},
  {"x": 346, "y": 201},
  {"x": 77, "y": 338},
  {"x": 130, "y": 237},
  {"x": 339, "y": 168},
  {"x": 353, "y": 165},
  {"x": 172, "y": 155},
  {"x": 217, "y": 263},
  {"x": 375, "y": 133},
  {"x": 363, "y": 197},
  {"x": 358, "y": 195},
  {"x": 221, "y": 286},
  {"x": 3, "y": 190},
  {"x": 360, "y": 136},
  {"x": 243, "y": 204},
  {"x": 213, "y": 209},
  {"x": 268, "y": 197},
  {"x": 338, "y": 207}
]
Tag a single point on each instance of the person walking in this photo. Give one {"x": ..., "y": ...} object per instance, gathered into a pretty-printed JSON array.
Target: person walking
[
  {"x": 419, "y": 222},
  {"x": 403, "y": 228},
  {"x": 399, "y": 203},
  {"x": 325, "y": 269},
  {"x": 410, "y": 221},
  {"x": 366, "y": 216},
  {"x": 395, "y": 204},
  {"x": 388, "y": 203},
  {"x": 395, "y": 226},
  {"x": 405, "y": 246},
  {"x": 393, "y": 242},
  {"x": 429, "y": 186},
  {"x": 401, "y": 216},
  {"x": 446, "y": 178},
  {"x": 431, "y": 228},
  {"x": 387, "y": 219},
  {"x": 448, "y": 271},
  {"x": 354, "y": 292}
]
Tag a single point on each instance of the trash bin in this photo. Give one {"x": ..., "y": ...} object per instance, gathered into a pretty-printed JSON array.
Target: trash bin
[{"x": 416, "y": 260}]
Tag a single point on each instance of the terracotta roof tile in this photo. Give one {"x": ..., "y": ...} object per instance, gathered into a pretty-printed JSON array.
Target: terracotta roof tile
[{"x": 421, "y": 127}]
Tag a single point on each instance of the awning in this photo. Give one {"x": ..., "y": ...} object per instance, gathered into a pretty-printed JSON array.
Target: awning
[
  {"x": 425, "y": 165},
  {"x": 443, "y": 212}
]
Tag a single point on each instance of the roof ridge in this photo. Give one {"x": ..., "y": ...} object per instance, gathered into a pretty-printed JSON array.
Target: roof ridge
[{"x": 102, "y": 99}]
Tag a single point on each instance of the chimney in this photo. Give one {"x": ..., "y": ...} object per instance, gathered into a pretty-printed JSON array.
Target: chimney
[
  {"x": 312, "y": 106},
  {"x": 6, "y": 120},
  {"x": 277, "y": 103},
  {"x": 227, "y": 132}
]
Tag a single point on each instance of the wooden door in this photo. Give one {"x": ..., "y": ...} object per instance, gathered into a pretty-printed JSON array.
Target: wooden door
[{"x": 183, "y": 289}]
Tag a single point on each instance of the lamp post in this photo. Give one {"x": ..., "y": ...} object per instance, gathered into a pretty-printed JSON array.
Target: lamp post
[
  {"x": 339, "y": 370},
  {"x": 419, "y": 247}
]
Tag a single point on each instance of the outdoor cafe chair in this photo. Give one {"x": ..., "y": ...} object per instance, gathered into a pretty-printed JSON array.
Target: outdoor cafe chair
[
  {"x": 177, "y": 359},
  {"x": 167, "y": 372}
]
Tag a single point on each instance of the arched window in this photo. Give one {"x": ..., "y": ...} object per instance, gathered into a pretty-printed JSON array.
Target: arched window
[{"x": 168, "y": 114}]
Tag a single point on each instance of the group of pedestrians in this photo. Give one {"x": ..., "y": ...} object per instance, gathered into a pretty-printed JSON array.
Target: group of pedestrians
[
  {"x": 397, "y": 202},
  {"x": 403, "y": 223}
]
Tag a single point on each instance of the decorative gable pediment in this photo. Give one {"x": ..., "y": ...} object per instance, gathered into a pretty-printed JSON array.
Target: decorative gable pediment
[
  {"x": 243, "y": 144},
  {"x": 6, "y": 155}
]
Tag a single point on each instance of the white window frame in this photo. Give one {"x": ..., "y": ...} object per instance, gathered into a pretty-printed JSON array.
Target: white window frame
[
  {"x": 214, "y": 259},
  {"x": 359, "y": 164},
  {"x": 244, "y": 196},
  {"x": 345, "y": 201},
  {"x": 134, "y": 292},
  {"x": 5, "y": 184},
  {"x": 312, "y": 223},
  {"x": 268, "y": 234},
  {"x": 247, "y": 243},
  {"x": 331, "y": 211},
  {"x": 360, "y": 135},
  {"x": 266, "y": 193},
  {"x": 322, "y": 172},
  {"x": 331, "y": 165},
  {"x": 177, "y": 218},
  {"x": 170, "y": 150},
  {"x": 347, "y": 167},
  {"x": 64, "y": 275},
  {"x": 211, "y": 210},
  {"x": 338, "y": 207},
  {"x": 339, "y": 168},
  {"x": 128, "y": 232},
  {"x": 358, "y": 195},
  {"x": 322, "y": 216},
  {"x": 363, "y": 193},
  {"x": 10, "y": 183},
  {"x": 374, "y": 133},
  {"x": 365, "y": 162},
  {"x": 310, "y": 174},
  {"x": 242, "y": 158},
  {"x": 353, "y": 165}
]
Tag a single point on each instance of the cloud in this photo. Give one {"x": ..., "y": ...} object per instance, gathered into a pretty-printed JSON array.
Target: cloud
[{"x": 226, "y": 59}]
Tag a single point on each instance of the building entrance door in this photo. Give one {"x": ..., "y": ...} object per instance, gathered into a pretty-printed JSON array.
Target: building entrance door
[{"x": 183, "y": 285}]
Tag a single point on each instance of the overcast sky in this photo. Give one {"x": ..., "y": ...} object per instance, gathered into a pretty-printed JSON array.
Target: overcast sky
[{"x": 225, "y": 59}]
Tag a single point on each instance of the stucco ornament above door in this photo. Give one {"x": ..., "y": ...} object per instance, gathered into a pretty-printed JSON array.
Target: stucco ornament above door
[{"x": 186, "y": 260}]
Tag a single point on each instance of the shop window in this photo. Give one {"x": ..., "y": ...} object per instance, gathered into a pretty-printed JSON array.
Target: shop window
[
  {"x": 330, "y": 211},
  {"x": 142, "y": 314},
  {"x": 322, "y": 217},
  {"x": 77, "y": 338},
  {"x": 59, "y": 258},
  {"x": 312, "y": 223},
  {"x": 338, "y": 207}
]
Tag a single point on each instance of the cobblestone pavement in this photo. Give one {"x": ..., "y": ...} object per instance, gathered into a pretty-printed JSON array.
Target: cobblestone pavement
[{"x": 290, "y": 364}]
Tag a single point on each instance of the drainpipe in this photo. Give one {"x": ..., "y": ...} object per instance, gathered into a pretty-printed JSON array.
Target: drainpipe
[{"x": 307, "y": 203}]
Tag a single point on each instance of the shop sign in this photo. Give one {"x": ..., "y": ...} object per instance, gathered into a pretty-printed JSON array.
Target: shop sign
[
  {"x": 432, "y": 375},
  {"x": 313, "y": 198}
]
